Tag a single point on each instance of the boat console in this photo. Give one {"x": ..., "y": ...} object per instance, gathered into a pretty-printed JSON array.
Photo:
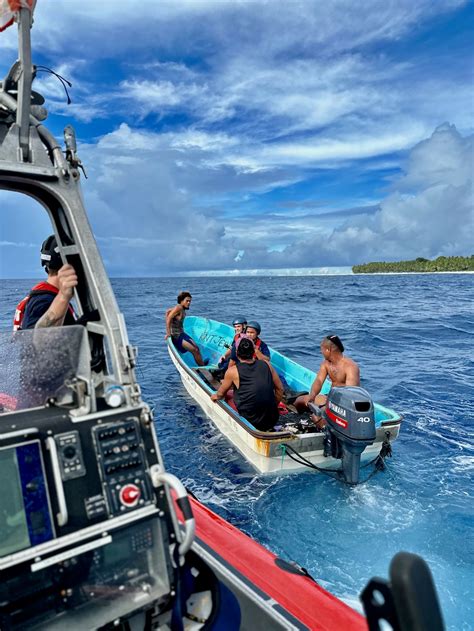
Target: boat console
[
  {"x": 88, "y": 532},
  {"x": 85, "y": 537}
]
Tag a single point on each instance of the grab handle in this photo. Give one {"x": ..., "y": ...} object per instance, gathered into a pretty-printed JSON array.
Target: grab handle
[
  {"x": 62, "y": 515},
  {"x": 183, "y": 502}
]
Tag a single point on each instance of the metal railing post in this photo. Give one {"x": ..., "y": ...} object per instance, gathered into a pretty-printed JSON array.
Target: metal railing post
[{"x": 24, "y": 83}]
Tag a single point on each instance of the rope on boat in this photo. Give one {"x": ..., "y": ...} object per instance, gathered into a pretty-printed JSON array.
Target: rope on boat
[{"x": 378, "y": 461}]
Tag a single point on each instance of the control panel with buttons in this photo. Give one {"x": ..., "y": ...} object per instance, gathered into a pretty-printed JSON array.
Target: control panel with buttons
[
  {"x": 123, "y": 466},
  {"x": 70, "y": 455}
]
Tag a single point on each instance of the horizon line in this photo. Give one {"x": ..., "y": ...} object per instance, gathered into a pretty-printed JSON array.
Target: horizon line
[{"x": 235, "y": 273}]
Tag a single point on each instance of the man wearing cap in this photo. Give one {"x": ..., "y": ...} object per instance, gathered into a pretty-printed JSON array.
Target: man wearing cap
[
  {"x": 342, "y": 371},
  {"x": 257, "y": 387},
  {"x": 48, "y": 302}
]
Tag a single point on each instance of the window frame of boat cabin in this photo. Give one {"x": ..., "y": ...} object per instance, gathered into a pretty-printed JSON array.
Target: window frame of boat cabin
[{"x": 112, "y": 356}]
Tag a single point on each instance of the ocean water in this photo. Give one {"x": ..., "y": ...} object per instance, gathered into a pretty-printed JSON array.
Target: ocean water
[{"x": 413, "y": 336}]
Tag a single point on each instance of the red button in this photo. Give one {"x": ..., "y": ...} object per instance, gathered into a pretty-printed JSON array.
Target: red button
[{"x": 129, "y": 495}]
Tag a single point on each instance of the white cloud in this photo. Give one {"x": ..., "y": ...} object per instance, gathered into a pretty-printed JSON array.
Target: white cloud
[
  {"x": 152, "y": 96},
  {"x": 307, "y": 23},
  {"x": 350, "y": 147},
  {"x": 24, "y": 225},
  {"x": 146, "y": 215},
  {"x": 195, "y": 139},
  {"x": 267, "y": 94},
  {"x": 429, "y": 213},
  {"x": 293, "y": 68}
]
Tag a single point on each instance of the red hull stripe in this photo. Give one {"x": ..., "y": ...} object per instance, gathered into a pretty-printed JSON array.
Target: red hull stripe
[
  {"x": 298, "y": 595},
  {"x": 337, "y": 419}
]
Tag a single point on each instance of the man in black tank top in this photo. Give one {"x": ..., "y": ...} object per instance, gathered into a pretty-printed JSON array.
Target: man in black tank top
[{"x": 257, "y": 388}]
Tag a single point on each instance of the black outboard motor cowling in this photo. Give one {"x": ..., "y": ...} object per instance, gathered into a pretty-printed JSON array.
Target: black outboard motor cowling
[{"x": 350, "y": 418}]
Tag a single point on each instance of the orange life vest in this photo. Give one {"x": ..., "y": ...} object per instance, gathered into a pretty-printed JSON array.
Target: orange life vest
[{"x": 41, "y": 288}]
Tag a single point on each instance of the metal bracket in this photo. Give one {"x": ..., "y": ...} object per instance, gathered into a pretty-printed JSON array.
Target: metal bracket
[
  {"x": 129, "y": 356},
  {"x": 378, "y": 605},
  {"x": 408, "y": 602}
]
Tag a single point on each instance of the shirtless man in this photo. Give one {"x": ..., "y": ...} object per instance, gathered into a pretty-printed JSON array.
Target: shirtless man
[
  {"x": 342, "y": 371},
  {"x": 174, "y": 328}
]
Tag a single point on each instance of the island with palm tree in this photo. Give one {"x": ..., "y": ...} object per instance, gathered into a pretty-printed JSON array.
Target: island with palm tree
[{"x": 440, "y": 264}]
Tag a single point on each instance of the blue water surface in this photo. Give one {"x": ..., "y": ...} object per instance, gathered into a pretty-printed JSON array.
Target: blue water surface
[{"x": 413, "y": 338}]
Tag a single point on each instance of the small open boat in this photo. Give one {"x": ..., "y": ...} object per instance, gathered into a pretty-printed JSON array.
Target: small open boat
[{"x": 296, "y": 443}]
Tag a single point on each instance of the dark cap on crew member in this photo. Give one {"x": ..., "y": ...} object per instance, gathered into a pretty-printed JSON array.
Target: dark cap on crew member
[
  {"x": 245, "y": 349},
  {"x": 239, "y": 320},
  {"x": 336, "y": 341},
  {"x": 50, "y": 257},
  {"x": 253, "y": 324}
]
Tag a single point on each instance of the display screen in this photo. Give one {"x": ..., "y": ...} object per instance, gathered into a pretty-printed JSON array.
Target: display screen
[
  {"x": 25, "y": 519},
  {"x": 118, "y": 552}
]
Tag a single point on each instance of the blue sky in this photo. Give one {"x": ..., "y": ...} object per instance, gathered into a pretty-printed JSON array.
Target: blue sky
[{"x": 254, "y": 134}]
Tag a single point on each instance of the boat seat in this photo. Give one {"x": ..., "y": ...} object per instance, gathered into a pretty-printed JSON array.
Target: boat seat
[
  {"x": 290, "y": 395},
  {"x": 208, "y": 367},
  {"x": 208, "y": 377}
]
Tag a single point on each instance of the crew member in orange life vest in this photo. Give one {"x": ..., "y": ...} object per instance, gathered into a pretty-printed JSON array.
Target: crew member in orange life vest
[
  {"x": 252, "y": 331},
  {"x": 48, "y": 302}
]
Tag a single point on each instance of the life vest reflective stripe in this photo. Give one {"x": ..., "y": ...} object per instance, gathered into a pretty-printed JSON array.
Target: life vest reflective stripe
[
  {"x": 20, "y": 313},
  {"x": 41, "y": 288}
]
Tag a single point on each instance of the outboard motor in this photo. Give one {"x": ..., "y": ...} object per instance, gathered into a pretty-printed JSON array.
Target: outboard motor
[{"x": 350, "y": 418}]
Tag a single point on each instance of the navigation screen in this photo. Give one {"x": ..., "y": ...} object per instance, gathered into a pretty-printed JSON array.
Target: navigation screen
[
  {"x": 14, "y": 534},
  {"x": 25, "y": 519}
]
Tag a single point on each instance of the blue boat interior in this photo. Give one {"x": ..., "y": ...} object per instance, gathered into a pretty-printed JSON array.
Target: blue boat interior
[{"x": 214, "y": 338}]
